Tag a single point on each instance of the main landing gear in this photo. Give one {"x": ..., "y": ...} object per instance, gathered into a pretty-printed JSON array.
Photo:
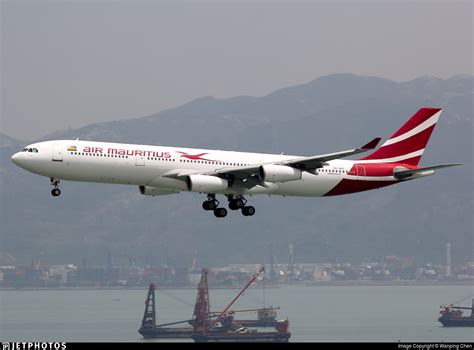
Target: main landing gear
[
  {"x": 55, "y": 191},
  {"x": 238, "y": 202},
  {"x": 212, "y": 204},
  {"x": 235, "y": 203}
]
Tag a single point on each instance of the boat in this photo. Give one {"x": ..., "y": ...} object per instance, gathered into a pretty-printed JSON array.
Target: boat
[
  {"x": 149, "y": 328},
  {"x": 210, "y": 326},
  {"x": 244, "y": 334},
  {"x": 166, "y": 332},
  {"x": 452, "y": 316},
  {"x": 225, "y": 328},
  {"x": 266, "y": 317}
]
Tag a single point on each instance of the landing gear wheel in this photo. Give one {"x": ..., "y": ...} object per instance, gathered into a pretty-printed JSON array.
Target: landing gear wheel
[
  {"x": 248, "y": 211},
  {"x": 55, "y": 183},
  {"x": 209, "y": 205},
  {"x": 220, "y": 212},
  {"x": 239, "y": 203},
  {"x": 236, "y": 203}
]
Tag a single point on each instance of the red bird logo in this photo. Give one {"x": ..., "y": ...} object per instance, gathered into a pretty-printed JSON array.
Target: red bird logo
[{"x": 194, "y": 156}]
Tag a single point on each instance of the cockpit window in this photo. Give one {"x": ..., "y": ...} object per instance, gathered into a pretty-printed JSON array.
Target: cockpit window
[
  {"x": 33, "y": 150},
  {"x": 24, "y": 150}
]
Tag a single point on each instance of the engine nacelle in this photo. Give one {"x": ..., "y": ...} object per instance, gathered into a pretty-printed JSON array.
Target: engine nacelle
[
  {"x": 206, "y": 183},
  {"x": 279, "y": 173},
  {"x": 153, "y": 191}
]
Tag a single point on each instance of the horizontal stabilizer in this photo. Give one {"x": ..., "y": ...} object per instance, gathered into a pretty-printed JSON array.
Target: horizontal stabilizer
[{"x": 405, "y": 174}]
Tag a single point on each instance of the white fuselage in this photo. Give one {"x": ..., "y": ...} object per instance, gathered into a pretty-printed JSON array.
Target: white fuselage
[
  {"x": 144, "y": 165},
  {"x": 158, "y": 170}
]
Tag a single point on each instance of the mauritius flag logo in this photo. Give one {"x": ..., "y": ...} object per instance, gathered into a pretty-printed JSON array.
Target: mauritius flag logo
[{"x": 72, "y": 148}]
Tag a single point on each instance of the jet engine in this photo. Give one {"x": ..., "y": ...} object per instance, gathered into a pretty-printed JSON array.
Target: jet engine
[
  {"x": 206, "y": 183},
  {"x": 279, "y": 173},
  {"x": 153, "y": 191}
]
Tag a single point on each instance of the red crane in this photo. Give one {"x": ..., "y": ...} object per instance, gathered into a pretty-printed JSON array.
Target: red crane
[
  {"x": 254, "y": 277},
  {"x": 202, "y": 308}
]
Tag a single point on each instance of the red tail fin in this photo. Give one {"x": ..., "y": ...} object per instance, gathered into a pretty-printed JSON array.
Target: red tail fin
[{"x": 409, "y": 142}]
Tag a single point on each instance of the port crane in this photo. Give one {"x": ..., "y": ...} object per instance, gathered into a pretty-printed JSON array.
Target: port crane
[{"x": 254, "y": 277}]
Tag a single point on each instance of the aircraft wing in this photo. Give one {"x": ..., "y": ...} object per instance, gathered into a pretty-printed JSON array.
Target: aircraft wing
[
  {"x": 249, "y": 176},
  {"x": 315, "y": 162}
]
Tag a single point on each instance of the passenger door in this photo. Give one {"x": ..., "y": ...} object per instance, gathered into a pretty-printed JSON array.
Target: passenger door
[
  {"x": 57, "y": 152},
  {"x": 139, "y": 160}
]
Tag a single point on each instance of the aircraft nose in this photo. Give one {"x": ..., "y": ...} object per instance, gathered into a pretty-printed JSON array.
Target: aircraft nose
[
  {"x": 18, "y": 159},
  {"x": 15, "y": 158}
]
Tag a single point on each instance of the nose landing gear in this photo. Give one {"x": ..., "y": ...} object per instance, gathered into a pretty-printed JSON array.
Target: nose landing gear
[{"x": 55, "y": 191}]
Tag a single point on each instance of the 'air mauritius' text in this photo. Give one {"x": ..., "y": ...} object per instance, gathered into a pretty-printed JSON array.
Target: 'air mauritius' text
[{"x": 126, "y": 152}]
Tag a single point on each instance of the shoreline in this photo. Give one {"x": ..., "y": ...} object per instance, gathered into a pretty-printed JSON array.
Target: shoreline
[
  {"x": 401, "y": 283},
  {"x": 390, "y": 283},
  {"x": 122, "y": 288}
]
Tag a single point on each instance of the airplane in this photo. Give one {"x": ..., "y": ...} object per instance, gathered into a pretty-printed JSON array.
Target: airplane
[{"x": 158, "y": 170}]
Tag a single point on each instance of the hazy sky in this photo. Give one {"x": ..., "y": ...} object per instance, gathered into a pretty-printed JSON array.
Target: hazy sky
[{"x": 70, "y": 63}]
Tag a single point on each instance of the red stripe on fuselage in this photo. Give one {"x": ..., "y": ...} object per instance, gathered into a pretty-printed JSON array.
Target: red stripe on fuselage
[
  {"x": 365, "y": 171},
  {"x": 347, "y": 186},
  {"x": 378, "y": 169}
]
